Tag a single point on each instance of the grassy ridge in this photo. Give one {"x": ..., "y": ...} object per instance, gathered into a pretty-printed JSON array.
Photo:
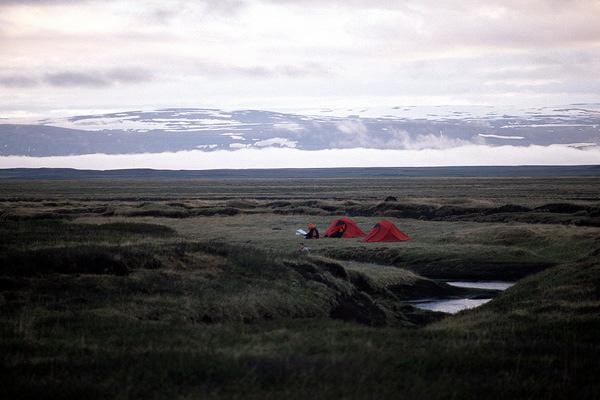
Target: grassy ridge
[
  {"x": 582, "y": 213},
  {"x": 522, "y": 345},
  {"x": 220, "y": 282}
]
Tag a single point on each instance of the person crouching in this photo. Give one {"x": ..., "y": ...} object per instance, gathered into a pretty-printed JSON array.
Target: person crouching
[{"x": 313, "y": 233}]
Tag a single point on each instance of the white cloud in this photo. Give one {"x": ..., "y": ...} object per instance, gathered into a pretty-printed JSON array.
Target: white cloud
[
  {"x": 351, "y": 127},
  {"x": 269, "y": 52},
  {"x": 429, "y": 141},
  {"x": 357, "y": 134},
  {"x": 294, "y": 158}
]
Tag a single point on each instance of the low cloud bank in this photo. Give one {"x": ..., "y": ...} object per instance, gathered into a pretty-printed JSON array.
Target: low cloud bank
[
  {"x": 467, "y": 155},
  {"x": 354, "y": 133}
]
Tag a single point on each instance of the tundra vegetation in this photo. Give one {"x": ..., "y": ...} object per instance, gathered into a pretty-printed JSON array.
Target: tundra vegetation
[{"x": 197, "y": 289}]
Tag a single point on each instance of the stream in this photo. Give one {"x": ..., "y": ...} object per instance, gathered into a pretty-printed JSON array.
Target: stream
[{"x": 452, "y": 306}]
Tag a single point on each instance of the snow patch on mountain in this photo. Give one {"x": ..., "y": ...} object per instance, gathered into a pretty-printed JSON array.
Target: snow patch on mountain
[
  {"x": 276, "y": 141},
  {"x": 486, "y": 135},
  {"x": 397, "y": 127}
]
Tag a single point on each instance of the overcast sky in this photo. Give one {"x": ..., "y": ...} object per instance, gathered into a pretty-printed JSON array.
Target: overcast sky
[{"x": 292, "y": 53}]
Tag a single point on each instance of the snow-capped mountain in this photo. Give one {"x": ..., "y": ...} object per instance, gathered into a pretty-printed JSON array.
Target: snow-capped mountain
[{"x": 401, "y": 127}]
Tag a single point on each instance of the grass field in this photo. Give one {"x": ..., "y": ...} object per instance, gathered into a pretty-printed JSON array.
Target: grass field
[{"x": 197, "y": 289}]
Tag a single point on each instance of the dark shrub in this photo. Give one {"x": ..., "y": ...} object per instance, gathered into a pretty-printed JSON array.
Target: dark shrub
[
  {"x": 67, "y": 260},
  {"x": 159, "y": 213},
  {"x": 207, "y": 212},
  {"x": 507, "y": 208},
  {"x": 147, "y": 229},
  {"x": 563, "y": 208}
]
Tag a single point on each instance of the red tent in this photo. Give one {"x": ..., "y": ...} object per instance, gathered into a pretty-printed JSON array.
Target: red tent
[
  {"x": 345, "y": 228},
  {"x": 385, "y": 231}
]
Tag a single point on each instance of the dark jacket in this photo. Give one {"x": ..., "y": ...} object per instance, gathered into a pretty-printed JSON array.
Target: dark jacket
[{"x": 312, "y": 234}]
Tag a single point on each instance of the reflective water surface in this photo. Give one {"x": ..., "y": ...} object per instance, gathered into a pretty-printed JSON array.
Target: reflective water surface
[
  {"x": 497, "y": 285},
  {"x": 452, "y": 306}
]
